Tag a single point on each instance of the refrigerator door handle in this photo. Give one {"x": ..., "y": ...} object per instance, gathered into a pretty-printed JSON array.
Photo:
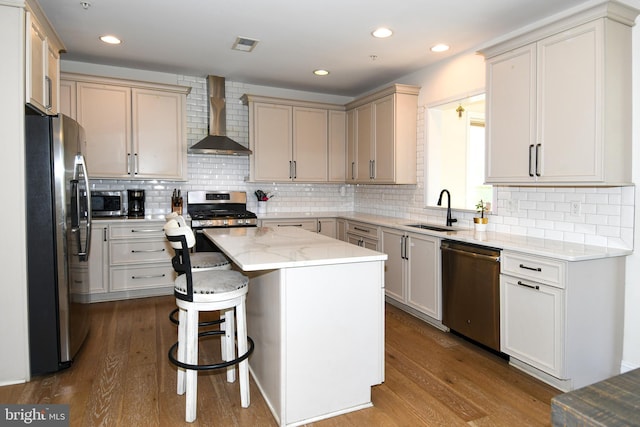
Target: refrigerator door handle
[{"x": 82, "y": 254}]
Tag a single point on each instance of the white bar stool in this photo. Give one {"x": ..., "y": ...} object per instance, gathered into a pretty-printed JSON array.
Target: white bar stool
[{"x": 211, "y": 290}]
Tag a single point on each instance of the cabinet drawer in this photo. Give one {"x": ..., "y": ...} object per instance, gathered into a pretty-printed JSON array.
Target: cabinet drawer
[
  {"x": 135, "y": 252},
  {"x": 136, "y": 231},
  {"x": 363, "y": 229},
  {"x": 305, "y": 224},
  {"x": 127, "y": 278},
  {"x": 543, "y": 270}
]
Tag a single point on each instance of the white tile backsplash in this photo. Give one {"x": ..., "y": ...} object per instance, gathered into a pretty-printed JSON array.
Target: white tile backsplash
[{"x": 606, "y": 216}]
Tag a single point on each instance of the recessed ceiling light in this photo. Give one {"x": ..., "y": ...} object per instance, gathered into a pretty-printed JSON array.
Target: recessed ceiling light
[
  {"x": 110, "y": 39},
  {"x": 320, "y": 72},
  {"x": 440, "y": 48},
  {"x": 382, "y": 33}
]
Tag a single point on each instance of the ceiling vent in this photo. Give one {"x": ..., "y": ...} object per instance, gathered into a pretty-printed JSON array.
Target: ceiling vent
[{"x": 244, "y": 44}]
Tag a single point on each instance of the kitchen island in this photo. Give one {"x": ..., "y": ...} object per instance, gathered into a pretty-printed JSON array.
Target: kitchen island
[{"x": 315, "y": 311}]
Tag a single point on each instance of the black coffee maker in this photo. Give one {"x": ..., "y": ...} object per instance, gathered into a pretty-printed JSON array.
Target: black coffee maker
[{"x": 135, "y": 198}]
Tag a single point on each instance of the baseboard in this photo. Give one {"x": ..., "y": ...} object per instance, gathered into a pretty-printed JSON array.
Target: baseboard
[{"x": 628, "y": 366}]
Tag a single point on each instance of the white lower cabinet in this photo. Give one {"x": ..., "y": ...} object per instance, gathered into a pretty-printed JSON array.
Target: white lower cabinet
[
  {"x": 363, "y": 234},
  {"x": 129, "y": 259},
  {"x": 561, "y": 321},
  {"x": 532, "y": 322},
  {"x": 412, "y": 271},
  {"x": 99, "y": 259},
  {"x": 309, "y": 224},
  {"x": 328, "y": 227},
  {"x": 324, "y": 226}
]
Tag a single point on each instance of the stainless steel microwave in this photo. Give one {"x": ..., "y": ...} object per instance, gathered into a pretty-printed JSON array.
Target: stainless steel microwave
[{"x": 107, "y": 204}]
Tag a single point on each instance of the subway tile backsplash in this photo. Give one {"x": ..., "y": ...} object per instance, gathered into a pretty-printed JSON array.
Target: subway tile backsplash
[{"x": 605, "y": 216}]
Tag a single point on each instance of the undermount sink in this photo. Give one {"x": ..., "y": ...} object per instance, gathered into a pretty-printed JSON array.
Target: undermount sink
[{"x": 430, "y": 227}]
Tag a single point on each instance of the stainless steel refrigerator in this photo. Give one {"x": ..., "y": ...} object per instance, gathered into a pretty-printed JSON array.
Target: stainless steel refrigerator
[{"x": 58, "y": 234}]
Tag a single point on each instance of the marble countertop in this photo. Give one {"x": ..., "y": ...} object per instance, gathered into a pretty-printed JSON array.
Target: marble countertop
[
  {"x": 267, "y": 248},
  {"x": 532, "y": 245}
]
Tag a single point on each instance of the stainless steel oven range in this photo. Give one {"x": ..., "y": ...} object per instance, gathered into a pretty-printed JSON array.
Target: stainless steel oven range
[{"x": 215, "y": 209}]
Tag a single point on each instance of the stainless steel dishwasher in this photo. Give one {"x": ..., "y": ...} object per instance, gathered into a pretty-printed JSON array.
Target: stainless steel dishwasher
[{"x": 471, "y": 291}]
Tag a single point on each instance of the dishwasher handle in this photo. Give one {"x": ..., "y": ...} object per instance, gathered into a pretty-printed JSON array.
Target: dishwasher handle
[
  {"x": 485, "y": 253},
  {"x": 492, "y": 258}
]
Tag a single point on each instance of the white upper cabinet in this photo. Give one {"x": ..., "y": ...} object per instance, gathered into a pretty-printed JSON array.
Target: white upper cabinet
[
  {"x": 295, "y": 140},
  {"x": 382, "y": 137},
  {"x": 134, "y": 130},
  {"x": 557, "y": 111},
  {"x": 42, "y": 54}
]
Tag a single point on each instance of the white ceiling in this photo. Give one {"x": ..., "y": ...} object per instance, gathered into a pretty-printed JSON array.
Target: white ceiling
[{"x": 194, "y": 37}]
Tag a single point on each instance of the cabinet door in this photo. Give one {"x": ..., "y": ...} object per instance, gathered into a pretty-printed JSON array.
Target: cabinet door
[
  {"x": 364, "y": 142},
  {"x": 337, "y": 146},
  {"x": 105, "y": 113},
  {"x": 383, "y": 167},
  {"x": 310, "y": 149},
  {"x": 328, "y": 227},
  {"x": 352, "y": 159},
  {"x": 532, "y": 324},
  {"x": 272, "y": 136},
  {"x": 341, "y": 231},
  {"x": 158, "y": 140},
  {"x": 36, "y": 50},
  {"x": 98, "y": 260},
  {"x": 394, "y": 246},
  {"x": 52, "y": 81},
  {"x": 569, "y": 75},
  {"x": 511, "y": 116},
  {"x": 423, "y": 278},
  {"x": 67, "y": 98}
]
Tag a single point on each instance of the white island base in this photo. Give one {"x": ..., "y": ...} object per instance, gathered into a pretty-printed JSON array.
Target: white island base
[{"x": 317, "y": 320}]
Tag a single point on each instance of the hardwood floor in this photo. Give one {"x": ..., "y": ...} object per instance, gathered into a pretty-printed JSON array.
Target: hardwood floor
[{"x": 122, "y": 377}]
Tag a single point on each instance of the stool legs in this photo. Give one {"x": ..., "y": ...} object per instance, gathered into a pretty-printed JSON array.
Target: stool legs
[
  {"x": 191, "y": 340},
  {"x": 228, "y": 343},
  {"x": 243, "y": 367},
  {"x": 182, "y": 349}
]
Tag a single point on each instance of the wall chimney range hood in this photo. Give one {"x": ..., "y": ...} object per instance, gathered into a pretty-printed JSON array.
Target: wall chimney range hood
[{"x": 217, "y": 142}]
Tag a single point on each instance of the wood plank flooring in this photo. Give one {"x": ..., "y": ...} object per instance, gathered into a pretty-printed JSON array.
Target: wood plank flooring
[{"x": 122, "y": 377}]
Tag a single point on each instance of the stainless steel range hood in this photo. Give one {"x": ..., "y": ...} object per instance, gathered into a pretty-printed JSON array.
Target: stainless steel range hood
[{"x": 217, "y": 142}]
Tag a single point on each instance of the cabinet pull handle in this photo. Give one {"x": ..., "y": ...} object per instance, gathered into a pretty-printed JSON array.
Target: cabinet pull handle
[
  {"x": 150, "y": 276},
  {"x": 104, "y": 234},
  {"x": 289, "y": 225},
  {"x": 147, "y": 230},
  {"x": 536, "y": 287},
  {"x": 290, "y": 169},
  {"x": 353, "y": 175},
  {"x": 538, "y": 160},
  {"x": 319, "y": 226},
  {"x": 361, "y": 229},
  {"x": 128, "y": 163},
  {"x": 295, "y": 169},
  {"x": 530, "y": 159},
  {"x": 136, "y": 251},
  {"x": 530, "y": 268},
  {"x": 135, "y": 163}
]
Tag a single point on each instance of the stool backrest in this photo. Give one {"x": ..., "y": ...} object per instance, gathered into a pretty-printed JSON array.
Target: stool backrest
[{"x": 181, "y": 239}]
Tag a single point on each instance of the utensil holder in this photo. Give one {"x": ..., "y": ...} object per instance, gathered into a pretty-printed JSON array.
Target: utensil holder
[{"x": 262, "y": 207}]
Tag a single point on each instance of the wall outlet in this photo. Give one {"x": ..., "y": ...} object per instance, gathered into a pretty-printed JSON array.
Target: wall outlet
[{"x": 574, "y": 208}]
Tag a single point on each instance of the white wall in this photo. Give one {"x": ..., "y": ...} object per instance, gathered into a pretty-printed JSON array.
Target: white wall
[
  {"x": 631, "y": 351},
  {"x": 14, "y": 357}
]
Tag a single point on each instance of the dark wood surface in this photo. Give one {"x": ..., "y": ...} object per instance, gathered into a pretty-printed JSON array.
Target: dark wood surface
[
  {"x": 122, "y": 377},
  {"x": 614, "y": 402}
]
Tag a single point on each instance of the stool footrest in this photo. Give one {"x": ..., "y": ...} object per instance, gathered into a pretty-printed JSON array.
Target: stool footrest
[
  {"x": 175, "y": 321},
  {"x": 224, "y": 364}
]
